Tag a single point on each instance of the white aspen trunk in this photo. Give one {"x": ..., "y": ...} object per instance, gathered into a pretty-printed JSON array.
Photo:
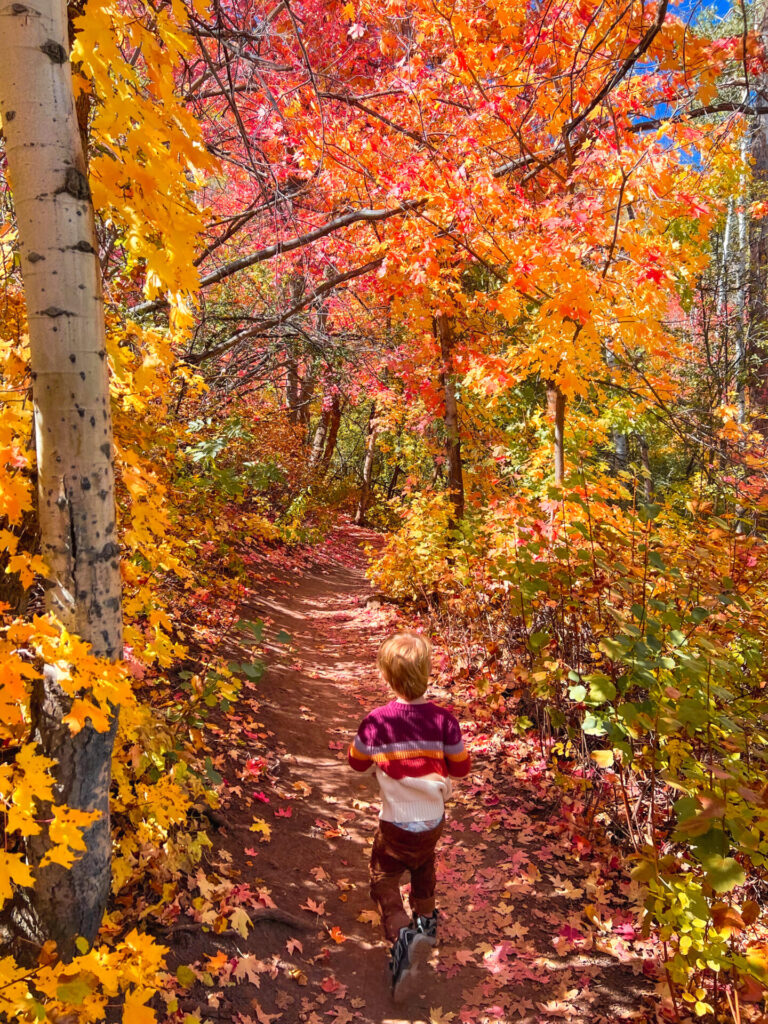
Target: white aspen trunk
[
  {"x": 742, "y": 320},
  {"x": 722, "y": 291},
  {"x": 62, "y": 287},
  {"x": 319, "y": 439}
]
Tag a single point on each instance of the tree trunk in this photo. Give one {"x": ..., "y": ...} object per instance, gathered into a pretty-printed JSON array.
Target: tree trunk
[
  {"x": 73, "y": 432},
  {"x": 334, "y": 420},
  {"x": 292, "y": 383},
  {"x": 645, "y": 462},
  {"x": 743, "y": 321},
  {"x": 620, "y": 450},
  {"x": 293, "y": 380},
  {"x": 451, "y": 417},
  {"x": 370, "y": 452},
  {"x": 319, "y": 439},
  {"x": 757, "y": 256},
  {"x": 393, "y": 481},
  {"x": 305, "y": 396},
  {"x": 556, "y": 412}
]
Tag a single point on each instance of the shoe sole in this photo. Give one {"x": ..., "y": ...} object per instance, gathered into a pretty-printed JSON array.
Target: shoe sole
[{"x": 418, "y": 955}]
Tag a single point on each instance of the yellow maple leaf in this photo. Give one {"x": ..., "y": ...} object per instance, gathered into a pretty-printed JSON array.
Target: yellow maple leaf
[
  {"x": 135, "y": 1009},
  {"x": 437, "y": 1016},
  {"x": 81, "y": 712},
  {"x": 265, "y": 829},
  {"x": 13, "y": 869},
  {"x": 66, "y": 832},
  {"x": 240, "y": 922}
]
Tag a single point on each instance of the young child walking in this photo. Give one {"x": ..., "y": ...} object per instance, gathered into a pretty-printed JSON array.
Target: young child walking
[{"x": 415, "y": 748}]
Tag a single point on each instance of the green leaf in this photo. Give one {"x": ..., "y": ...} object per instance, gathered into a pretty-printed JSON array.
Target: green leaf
[
  {"x": 538, "y": 640},
  {"x": 283, "y": 637},
  {"x": 74, "y": 990},
  {"x": 725, "y": 873},
  {"x": 655, "y": 559},
  {"x": 601, "y": 688},
  {"x": 185, "y": 975},
  {"x": 577, "y": 693},
  {"x": 592, "y": 726},
  {"x": 647, "y": 513},
  {"x": 255, "y": 628},
  {"x": 613, "y": 648},
  {"x": 211, "y": 772},
  {"x": 709, "y": 848}
]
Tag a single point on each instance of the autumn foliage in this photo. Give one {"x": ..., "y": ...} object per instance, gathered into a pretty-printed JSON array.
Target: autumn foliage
[{"x": 488, "y": 277}]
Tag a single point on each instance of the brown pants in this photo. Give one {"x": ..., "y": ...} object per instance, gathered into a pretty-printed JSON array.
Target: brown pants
[{"x": 394, "y": 852}]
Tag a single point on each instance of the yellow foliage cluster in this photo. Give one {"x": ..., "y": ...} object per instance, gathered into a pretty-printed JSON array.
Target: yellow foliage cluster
[
  {"x": 149, "y": 154},
  {"x": 145, "y": 192},
  {"x": 82, "y": 988}
]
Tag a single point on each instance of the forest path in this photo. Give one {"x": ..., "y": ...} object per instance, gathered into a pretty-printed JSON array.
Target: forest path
[{"x": 514, "y": 877}]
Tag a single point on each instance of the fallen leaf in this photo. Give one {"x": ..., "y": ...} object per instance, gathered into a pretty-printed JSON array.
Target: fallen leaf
[
  {"x": 438, "y": 1016},
  {"x": 262, "y": 827},
  {"x": 240, "y": 922},
  {"x": 314, "y": 908},
  {"x": 262, "y": 1016}
]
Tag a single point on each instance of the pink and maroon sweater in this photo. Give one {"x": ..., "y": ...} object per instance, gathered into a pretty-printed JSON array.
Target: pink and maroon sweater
[{"x": 415, "y": 748}]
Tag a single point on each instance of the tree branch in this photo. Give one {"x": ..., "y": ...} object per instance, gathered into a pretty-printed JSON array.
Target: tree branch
[
  {"x": 266, "y": 325},
  {"x": 261, "y": 255}
]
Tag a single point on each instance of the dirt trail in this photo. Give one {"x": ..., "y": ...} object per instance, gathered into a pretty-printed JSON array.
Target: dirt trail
[{"x": 514, "y": 884}]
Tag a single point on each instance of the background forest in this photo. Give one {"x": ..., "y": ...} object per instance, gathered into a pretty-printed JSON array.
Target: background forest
[{"x": 489, "y": 278}]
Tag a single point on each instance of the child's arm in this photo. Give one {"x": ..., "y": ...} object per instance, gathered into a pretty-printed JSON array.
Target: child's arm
[
  {"x": 358, "y": 755},
  {"x": 456, "y": 756}
]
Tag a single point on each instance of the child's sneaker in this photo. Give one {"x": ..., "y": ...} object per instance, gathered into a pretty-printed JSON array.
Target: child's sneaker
[
  {"x": 410, "y": 951},
  {"x": 427, "y": 925}
]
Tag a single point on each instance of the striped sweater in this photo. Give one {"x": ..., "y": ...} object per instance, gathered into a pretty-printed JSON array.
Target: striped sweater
[{"x": 415, "y": 749}]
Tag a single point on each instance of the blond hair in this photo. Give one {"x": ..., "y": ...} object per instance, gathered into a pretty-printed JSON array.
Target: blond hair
[{"x": 406, "y": 660}]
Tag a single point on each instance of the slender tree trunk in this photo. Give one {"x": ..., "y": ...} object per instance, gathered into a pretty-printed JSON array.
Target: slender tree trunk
[
  {"x": 293, "y": 381},
  {"x": 334, "y": 420},
  {"x": 757, "y": 299},
  {"x": 73, "y": 432},
  {"x": 319, "y": 439},
  {"x": 645, "y": 462},
  {"x": 451, "y": 417},
  {"x": 556, "y": 411},
  {"x": 305, "y": 396},
  {"x": 722, "y": 289},
  {"x": 370, "y": 453},
  {"x": 393, "y": 481},
  {"x": 743, "y": 317},
  {"x": 620, "y": 450}
]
